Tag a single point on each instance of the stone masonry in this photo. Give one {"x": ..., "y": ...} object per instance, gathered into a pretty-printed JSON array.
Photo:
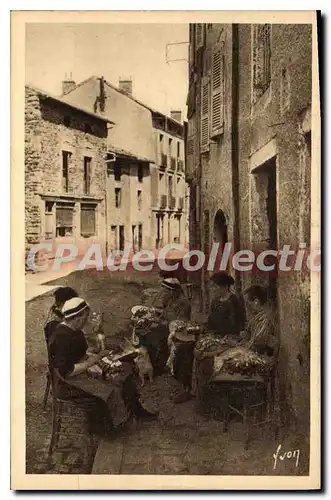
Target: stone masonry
[{"x": 52, "y": 126}]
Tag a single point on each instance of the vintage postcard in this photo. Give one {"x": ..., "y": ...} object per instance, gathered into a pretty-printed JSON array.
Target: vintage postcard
[{"x": 165, "y": 250}]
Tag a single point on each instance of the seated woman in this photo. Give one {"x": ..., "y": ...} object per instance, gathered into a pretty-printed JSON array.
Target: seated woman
[
  {"x": 68, "y": 355},
  {"x": 261, "y": 327},
  {"x": 225, "y": 322}
]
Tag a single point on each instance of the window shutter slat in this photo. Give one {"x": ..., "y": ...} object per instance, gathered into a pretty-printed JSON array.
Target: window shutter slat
[
  {"x": 204, "y": 124},
  {"x": 217, "y": 91}
]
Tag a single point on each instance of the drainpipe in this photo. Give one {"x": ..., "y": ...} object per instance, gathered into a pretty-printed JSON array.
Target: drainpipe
[
  {"x": 235, "y": 147},
  {"x": 108, "y": 160}
]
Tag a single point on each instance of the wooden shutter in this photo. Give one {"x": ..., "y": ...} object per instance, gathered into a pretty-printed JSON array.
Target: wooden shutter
[
  {"x": 204, "y": 123},
  {"x": 190, "y": 148},
  {"x": 87, "y": 220},
  {"x": 217, "y": 91},
  {"x": 199, "y": 36},
  {"x": 64, "y": 215}
]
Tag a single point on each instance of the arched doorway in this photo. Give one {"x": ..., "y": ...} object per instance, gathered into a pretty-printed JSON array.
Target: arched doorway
[{"x": 220, "y": 228}]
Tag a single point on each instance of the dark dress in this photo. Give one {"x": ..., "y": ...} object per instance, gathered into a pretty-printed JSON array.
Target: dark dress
[
  {"x": 67, "y": 348},
  {"x": 226, "y": 317}
]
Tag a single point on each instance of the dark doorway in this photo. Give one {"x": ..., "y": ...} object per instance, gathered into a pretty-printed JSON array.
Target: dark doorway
[
  {"x": 220, "y": 235},
  {"x": 140, "y": 236},
  {"x": 121, "y": 238}
]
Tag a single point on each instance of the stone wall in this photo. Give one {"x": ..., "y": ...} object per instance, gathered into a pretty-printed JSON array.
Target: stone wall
[
  {"x": 275, "y": 128},
  {"x": 47, "y": 134}
]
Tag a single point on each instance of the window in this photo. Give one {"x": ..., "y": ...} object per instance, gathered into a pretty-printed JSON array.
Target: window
[
  {"x": 140, "y": 173},
  {"x": 261, "y": 59},
  {"x": 87, "y": 174},
  {"x": 170, "y": 146},
  {"x": 217, "y": 91},
  {"x": 49, "y": 220},
  {"x": 204, "y": 132},
  {"x": 140, "y": 236},
  {"x": 139, "y": 199},
  {"x": 87, "y": 128},
  {"x": 178, "y": 149},
  {"x": 65, "y": 170},
  {"x": 64, "y": 219},
  {"x": 118, "y": 197},
  {"x": 170, "y": 186},
  {"x": 121, "y": 237},
  {"x": 87, "y": 220},
  {"x": 117, "y": 172},
  {"x": 113, "y": 238},
  {"x": 161, "y": 142}
]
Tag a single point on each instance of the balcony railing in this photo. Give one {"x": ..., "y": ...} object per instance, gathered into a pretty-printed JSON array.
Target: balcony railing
[
  {"x": 180, "y": 165},
  {"x": 163, "y": 201},
  {"x": 173, "y": 163},
  {"x": 172, "y": 202},
  {"x": 164, "y": 160},
  {"x": 181, "y": 203}
]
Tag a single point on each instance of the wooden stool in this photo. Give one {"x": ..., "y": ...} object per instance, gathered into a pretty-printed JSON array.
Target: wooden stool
[{"x": 247, "y": 388}]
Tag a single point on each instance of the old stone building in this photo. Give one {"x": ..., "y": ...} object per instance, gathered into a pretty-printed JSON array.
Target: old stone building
[
  {"x": 248, "y": 167},
  {"x": 169, "y": 189},
  {"x": 134, "y": 186},
  {"x": 65, "y": 173},
  {"x": 129, "y": 150}
]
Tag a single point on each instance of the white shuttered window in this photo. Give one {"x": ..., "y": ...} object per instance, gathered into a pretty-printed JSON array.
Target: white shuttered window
[
  {"x": 204, "y": 125},
  {"x": 217, "y": 91}
]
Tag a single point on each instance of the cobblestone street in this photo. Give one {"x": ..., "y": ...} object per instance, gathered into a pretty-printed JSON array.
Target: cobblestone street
[{"x": 182, "y": 441}]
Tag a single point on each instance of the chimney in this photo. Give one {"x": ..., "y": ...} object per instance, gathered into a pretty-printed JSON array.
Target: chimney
[
  {"x": 125, "y": 84},
  {"x": 176, "y": 115},
  {"x": 68, "y": 84}
]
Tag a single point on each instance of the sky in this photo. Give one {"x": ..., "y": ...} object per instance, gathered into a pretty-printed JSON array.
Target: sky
[{"x": 113, "y": 51}]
